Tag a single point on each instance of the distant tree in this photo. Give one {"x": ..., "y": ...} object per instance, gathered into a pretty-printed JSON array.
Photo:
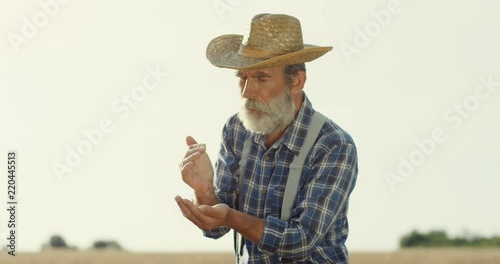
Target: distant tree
[
  {"x": 57, "y": 241},
  {"x": 108, "y": 245},
  {"x": 414, "y": 239},
  {"x": 496, "y": 241},
  {"x": 439, "y": 238},
  {"x": 459, "y": 242}
]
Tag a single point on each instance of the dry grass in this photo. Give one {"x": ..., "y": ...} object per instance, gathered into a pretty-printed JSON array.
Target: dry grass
[
  {"x": 416, "y": 256},
  {"x": 113, "y": 257},
  {"x": 430, "y": 256}
]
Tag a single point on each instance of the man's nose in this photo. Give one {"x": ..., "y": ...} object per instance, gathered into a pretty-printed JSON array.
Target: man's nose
[{"x": 248, "y": 91}]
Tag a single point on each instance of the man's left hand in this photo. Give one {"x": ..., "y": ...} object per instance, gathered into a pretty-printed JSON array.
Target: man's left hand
[{"x": 204, "y": 216}]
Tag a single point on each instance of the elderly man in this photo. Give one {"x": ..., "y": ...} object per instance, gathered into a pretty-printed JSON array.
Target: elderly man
[{"x": 284, "y": 172}]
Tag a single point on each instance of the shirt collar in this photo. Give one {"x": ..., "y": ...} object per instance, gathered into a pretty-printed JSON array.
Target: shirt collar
[{"x": 294, "y": 136}]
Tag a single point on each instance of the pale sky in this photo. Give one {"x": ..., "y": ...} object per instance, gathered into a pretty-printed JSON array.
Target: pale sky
[{"x": 402, "y": 74}]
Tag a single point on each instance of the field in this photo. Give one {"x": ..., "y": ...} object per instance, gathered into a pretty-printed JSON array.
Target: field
[{"x": 434, "y": 256}]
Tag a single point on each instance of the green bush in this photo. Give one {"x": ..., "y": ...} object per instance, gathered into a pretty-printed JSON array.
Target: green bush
[{"x": 439, "y": 238}]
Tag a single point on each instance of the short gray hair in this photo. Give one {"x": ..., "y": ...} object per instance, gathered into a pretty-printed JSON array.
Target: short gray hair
[{"x": 290, "y": 70}]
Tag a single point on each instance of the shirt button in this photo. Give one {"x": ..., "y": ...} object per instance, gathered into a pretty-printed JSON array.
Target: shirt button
[
  {"x": 266, "y": 158},
  {"x": 263, "y": 191}
]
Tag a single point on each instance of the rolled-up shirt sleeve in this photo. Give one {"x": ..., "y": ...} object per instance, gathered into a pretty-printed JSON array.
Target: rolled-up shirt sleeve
[{"x": 321, "y": 201}]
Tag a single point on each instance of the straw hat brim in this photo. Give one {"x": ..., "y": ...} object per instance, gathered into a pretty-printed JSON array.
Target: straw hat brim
[{"x": 223, "y": 52}]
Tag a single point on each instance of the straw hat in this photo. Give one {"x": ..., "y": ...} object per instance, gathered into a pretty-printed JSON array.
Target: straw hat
[{"x": 272, "y": 40}]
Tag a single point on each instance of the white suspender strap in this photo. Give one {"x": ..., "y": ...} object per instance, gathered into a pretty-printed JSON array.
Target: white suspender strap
[{"x": 297, "y": 164}]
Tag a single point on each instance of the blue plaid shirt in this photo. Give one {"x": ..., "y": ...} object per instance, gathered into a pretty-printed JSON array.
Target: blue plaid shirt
[{"x": 318, "y": 228}]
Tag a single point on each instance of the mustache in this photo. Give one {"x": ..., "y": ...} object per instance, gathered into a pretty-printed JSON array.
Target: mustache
[
  {"x": 272, "y": 106},
  {"x": 252, "y": 104}
]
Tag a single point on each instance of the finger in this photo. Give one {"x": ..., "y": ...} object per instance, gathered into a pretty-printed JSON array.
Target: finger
[
  {"x": 187, "y": 171},
  {"x": 191, "y": 158},
  {"x": 185, "y": 167},
  {"x": 189, "y": 210},
  {"x": 194, "y": 152},
  {"x": 194, "y": 215},
  {"x": 190, "y": 140},
  {"x": 178, "y": 199},
  {"x": 186, "y": 210},
  {"x": 180, "y": 202},
  {"x": 194, "y": 148}
]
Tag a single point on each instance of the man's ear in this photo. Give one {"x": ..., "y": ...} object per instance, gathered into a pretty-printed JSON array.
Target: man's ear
[{"x": 298, "y": 82}]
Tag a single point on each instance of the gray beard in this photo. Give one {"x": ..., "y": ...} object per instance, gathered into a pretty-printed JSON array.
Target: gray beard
[{"x": 276, "y": 115}]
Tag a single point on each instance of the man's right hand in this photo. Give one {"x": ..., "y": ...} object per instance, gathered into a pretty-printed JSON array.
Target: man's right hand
[{"x": 197, "y": 170}]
